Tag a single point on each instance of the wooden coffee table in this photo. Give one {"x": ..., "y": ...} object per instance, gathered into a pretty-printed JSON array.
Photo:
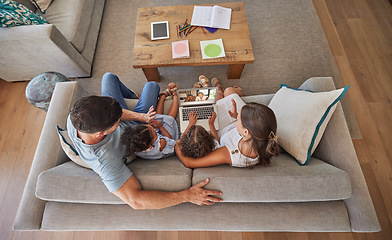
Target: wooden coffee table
[{"x": 150, "y": 55}]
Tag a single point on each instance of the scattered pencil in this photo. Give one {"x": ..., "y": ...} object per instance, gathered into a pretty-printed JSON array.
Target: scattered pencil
[
  {"x": 192, "y": 30},
  {"x": 203, "y": 31},
  {"x": 187, "y": 32},
  {"x": 185, "y": 28}
]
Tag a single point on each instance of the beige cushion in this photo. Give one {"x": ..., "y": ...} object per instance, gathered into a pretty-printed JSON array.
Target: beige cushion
[
  {"x": 41, "y": 5},
  {"x": 71, "y": 183},
  {"x": 302, "y": 117},
  {"x": 282, "y": 181},
  {"x": 69, "y": 148},
  {"x": 72, "y": 18}
]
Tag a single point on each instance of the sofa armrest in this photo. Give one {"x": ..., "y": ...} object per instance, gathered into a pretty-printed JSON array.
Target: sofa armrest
[
  {"x": 337, "y": 149},
  {"x": 48, "y": 153},
  {"x": 30, "y": 50}
]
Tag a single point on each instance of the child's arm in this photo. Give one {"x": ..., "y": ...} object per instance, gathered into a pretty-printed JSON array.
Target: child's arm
[
  {"x": 173, "y": 111},
  {"x": 192, "y": 120},
  {"x": 211, "y": 121},
  {"x": 217, "y": 157},
  {"x": 158, "y": 124}
]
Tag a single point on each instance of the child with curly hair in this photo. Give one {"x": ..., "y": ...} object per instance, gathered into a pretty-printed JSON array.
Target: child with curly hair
[
  {"x": 196, "y": 142},
  {"x": 156, "y": 139},
  {"x": 248, "y": 141}
]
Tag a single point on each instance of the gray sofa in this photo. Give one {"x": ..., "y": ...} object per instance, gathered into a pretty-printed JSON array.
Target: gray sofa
[
  {"x": 66, "y": 45},
  {"x": 327, "y": 195}
]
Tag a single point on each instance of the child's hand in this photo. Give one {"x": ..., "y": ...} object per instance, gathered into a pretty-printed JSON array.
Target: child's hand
[
  {"x": 155, "y": 123},
  {"x": 212, "y": 118},
  {"x": 192, "y": 118},
  {"x": 233, "y": 113}
]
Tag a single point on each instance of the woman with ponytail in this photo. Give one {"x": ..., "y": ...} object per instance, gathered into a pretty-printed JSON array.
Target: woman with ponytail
[{"x": 249, "y": 141}]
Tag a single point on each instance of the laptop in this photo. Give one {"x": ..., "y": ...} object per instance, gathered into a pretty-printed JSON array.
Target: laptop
[{"x": 201, "y": 101}]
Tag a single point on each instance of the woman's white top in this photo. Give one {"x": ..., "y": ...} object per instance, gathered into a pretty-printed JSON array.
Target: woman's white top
[{"x": 230, "y": 139}]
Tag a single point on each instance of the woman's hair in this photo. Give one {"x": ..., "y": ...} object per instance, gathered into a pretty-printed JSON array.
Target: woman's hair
[
  {"x": 95, "y": 114},
  {"x": 136, "y": 139},
  {"x": 261, "y": 123},
  {"x": 196, "y": 142}
]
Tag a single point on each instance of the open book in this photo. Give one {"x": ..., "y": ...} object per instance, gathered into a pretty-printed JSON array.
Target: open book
[
  {"x": 214, "y": 17},
  {"x": 224, "y": 105}
]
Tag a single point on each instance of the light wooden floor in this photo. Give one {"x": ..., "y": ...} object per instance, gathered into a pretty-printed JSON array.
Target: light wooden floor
[{"x": 360, "y": 35}]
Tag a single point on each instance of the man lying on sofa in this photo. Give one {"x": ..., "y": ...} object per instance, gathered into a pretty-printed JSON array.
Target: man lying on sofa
[{"x": 95, "y": 125}]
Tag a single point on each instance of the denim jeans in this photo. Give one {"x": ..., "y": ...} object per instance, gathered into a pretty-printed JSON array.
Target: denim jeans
[{"x": 113, "y": 87}]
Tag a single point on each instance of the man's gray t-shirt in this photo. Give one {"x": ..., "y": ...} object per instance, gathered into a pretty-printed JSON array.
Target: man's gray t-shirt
[{"x": 105, "y": 157}]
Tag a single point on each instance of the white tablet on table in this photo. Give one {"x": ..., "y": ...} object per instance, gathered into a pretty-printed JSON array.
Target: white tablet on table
[{"x": 159, "y": 30}]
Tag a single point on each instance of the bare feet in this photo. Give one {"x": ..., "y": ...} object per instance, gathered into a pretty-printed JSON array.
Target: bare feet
[
  {"x": 204, "y": 81},
  {"x": 215, "y": 82},
  {"x": 171, "y": 89},
  {"x": 197, "y": 85}
]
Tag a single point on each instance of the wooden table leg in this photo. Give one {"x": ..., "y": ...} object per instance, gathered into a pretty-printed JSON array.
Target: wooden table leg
[
  {"x": 235, "y": 71},
  {"x": 151, "y": 74}
]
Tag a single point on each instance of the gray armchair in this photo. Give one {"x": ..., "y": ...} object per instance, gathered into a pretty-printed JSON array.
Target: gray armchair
[{"x": 66, "y": 45}]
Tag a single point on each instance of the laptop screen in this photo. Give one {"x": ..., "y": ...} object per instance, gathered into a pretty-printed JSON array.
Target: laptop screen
[{"x": 197, "y": 96}]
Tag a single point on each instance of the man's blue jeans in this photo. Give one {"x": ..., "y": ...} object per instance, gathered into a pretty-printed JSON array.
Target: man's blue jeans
[{"x": 113, "y": 87}]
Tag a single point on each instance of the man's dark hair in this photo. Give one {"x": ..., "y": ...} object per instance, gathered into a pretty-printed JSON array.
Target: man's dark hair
[{"x": 95, "y": 114}]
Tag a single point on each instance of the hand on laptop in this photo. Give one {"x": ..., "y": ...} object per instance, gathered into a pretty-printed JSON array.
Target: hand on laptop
[
  {"x": 192, "y": 118},
  {"x": 211, "y": 119}
]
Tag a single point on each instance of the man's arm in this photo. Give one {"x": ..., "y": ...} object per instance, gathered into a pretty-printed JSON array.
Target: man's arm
[
  {"x": 129, "y": 115},
  {"x": 131, "y": 193}
]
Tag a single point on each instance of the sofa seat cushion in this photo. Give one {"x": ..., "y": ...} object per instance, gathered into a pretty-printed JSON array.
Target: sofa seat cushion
[
  {"x": 283, "y": 181},
  {"x": 72, "y": 18},
  {"x": 69, "y": 182},
  {"x": 330, "y": 216}
]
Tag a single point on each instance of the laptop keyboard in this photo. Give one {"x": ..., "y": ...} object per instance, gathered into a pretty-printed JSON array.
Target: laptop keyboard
[{"x": 201, "y": 112}]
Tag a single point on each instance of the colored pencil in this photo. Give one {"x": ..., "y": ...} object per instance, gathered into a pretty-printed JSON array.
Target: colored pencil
[
  {"x": 185, "y": 28},
  {"x": 203, "y": 31},
  {"x": 186, "y": 34},
  {"x": 192, "y": 30}
]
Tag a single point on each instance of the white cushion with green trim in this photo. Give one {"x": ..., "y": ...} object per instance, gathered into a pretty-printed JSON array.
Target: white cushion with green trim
[
  {"x": 302, "y": 117},
  {"x": 69, "y": 148}
]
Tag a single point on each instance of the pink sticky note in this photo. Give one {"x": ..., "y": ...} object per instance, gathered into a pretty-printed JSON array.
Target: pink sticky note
[{"x": 180, "y": 49}]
